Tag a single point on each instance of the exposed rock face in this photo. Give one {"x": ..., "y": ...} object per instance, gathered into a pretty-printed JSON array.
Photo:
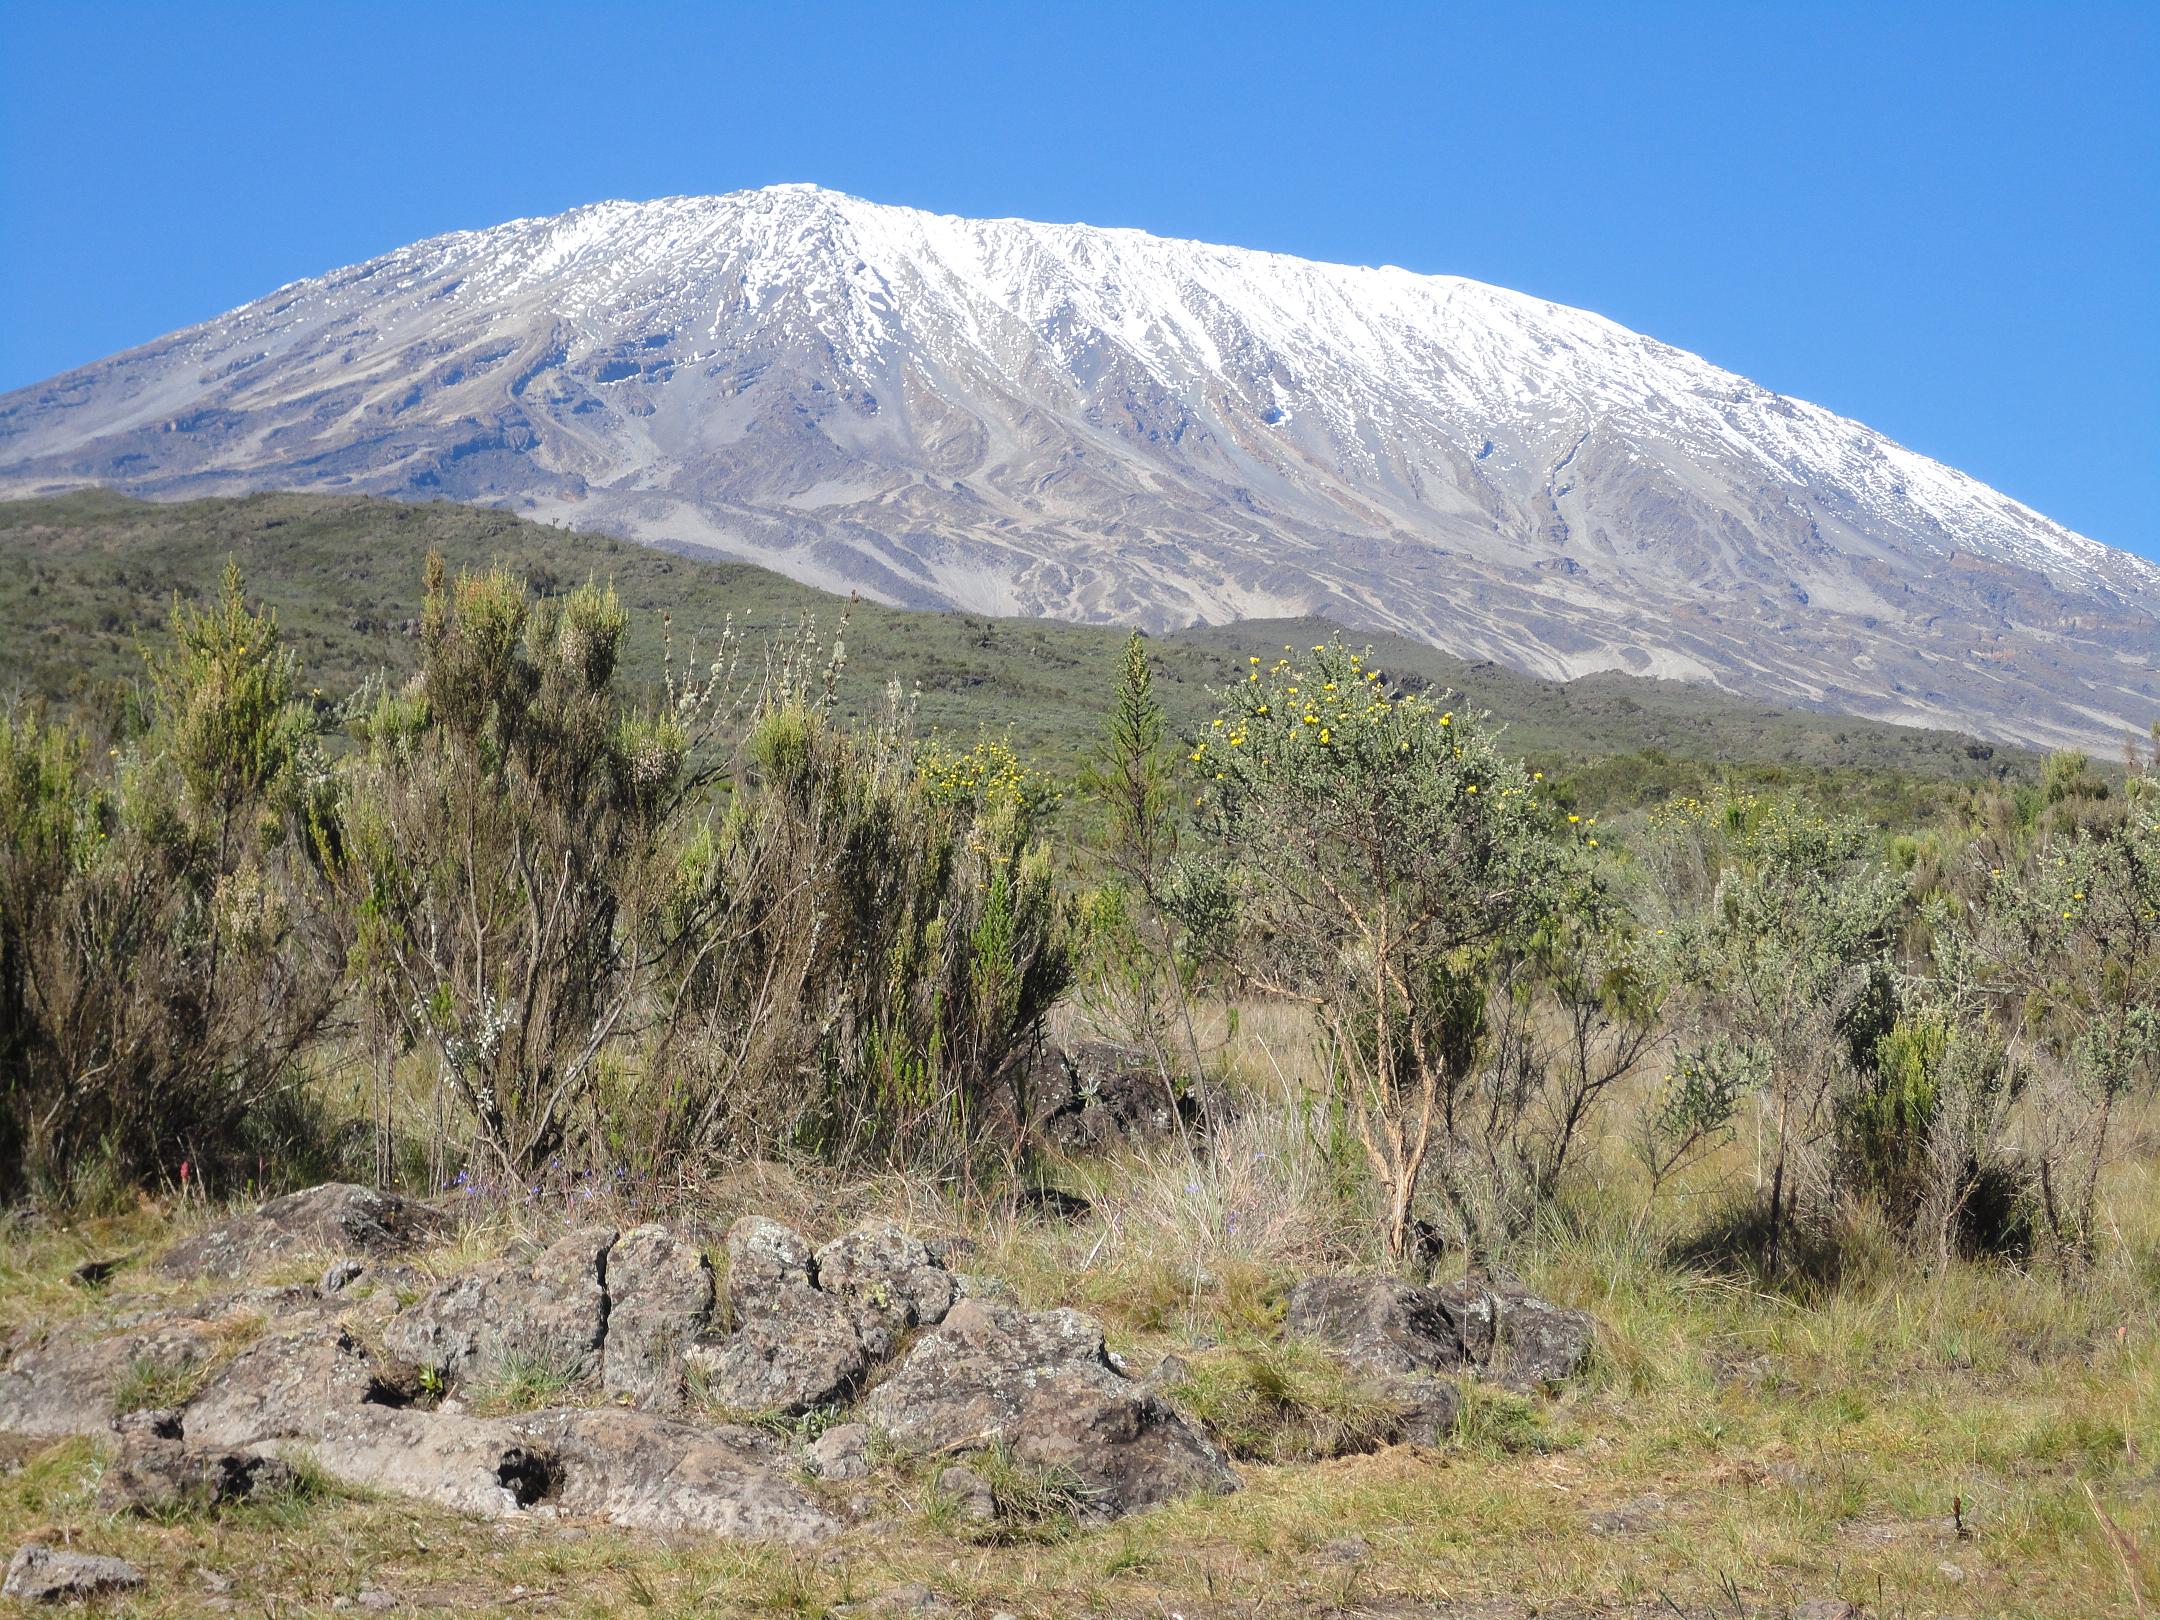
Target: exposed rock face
[
  {"x": 800, "y": 1350},
  {"x": 841, "y": 1452},
  {"x": 889, "y": 1282},
  {"x": 334, "y": 1219},
  {"x": 1042, "y": 1384},
  {"x": 660, "y": 1301},
  {"x": 764, "y": 1257},
  {"x": 1385, "y": 1326},
  {"x": 551, "y": 1313},
  {"x": 637, "y": 1311},
  {"x": 66, "y": 1385},
  {"x": 630, "y": 1468},
  {"x": 1537, "y": 1343},
  {"x": 282, "y": 1387},
  {"x": 155, "y": 1473},
  {"x": 49, "y": 1575},
  {"x": 1377, "y": 1324}
]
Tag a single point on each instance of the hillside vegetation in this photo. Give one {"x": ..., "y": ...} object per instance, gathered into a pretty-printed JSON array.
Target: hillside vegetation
[
  {"x": 91, "y": 573},
  {"x": 1835, "y": 1134}
]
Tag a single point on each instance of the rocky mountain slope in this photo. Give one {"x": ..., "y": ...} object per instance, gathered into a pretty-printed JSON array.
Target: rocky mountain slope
[{"x": 1100, "y": 424}]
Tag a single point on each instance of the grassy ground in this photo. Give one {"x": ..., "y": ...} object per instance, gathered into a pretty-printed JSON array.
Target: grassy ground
[
  {"x": 88, "y": 574},
  {"x": 1977, "y": 1441}
]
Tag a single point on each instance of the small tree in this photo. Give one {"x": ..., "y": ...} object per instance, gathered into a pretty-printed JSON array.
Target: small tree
[
  {"x": 1394, "y": 871},
  {"x": 1135, "y": 934}
]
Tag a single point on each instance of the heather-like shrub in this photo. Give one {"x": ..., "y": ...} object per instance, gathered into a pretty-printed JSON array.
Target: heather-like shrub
[
  {"x": 162, "y": 951},
  {"x": 881, "y": 934},
  {"x": 1777, "y": 925},
  {"x": 496, "y": 854}
]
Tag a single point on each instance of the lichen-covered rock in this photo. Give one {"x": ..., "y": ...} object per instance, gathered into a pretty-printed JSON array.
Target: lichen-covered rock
[
  {"x": 281, "y": 1386},
  {"x": 840, "y": 1453},
  {"x": 889, "y": 1281},
  {"x": 660, "y": 1301},
  {"x": 50, "y": 1575},
  {"x": 1376, "y": 1324},
  {"x": 335, "y": 1219},
  {"x": 551, "y": 1313},
  {"x": 1427, "y": 1408},
  {"x": 764, "y": 1257},
  {"x": 1040, "y": 1384},
  {"x": 1539, "y": 1343},
  {"x": 799, "y": 1349},
  {"x": 649, "y": 1472},
  {"x": 66, "y": 1384}
]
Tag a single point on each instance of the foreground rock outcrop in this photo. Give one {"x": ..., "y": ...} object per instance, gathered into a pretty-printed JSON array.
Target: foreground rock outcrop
[
  {"x": 1041, "y": 1385},
  {"x": 385, "y": 1377}
]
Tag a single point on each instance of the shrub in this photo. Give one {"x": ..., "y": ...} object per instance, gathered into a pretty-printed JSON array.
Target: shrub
[
  {"x": 1778, "y": 927},
  {"x": 501, "y": 827},
  {"x": 2054, "y": 956},
  {"x": 880, "y": 934},
  {"x": 163, "y": 953},
  {"x": 1396, "y": 872}
]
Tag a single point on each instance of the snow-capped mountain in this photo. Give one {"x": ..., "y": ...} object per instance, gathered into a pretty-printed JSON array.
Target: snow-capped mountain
[{"x": 1057, "y": 419}]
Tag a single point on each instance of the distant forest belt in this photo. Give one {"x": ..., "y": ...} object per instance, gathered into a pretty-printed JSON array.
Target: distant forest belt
[{"x": 89, "y": 572}]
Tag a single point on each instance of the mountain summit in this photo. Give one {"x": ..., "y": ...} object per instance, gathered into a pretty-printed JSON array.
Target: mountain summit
[{"x": 1103, "y": 424}]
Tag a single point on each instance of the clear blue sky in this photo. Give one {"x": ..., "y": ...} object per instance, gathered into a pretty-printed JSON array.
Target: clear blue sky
[{"x": 1940, "y": 219}]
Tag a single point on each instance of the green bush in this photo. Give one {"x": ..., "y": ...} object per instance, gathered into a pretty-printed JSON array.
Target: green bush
[
  {"x": 1390, "y": 867},
  {"x": 884, "y": 932},
  {"x": 164, "y": 953}
]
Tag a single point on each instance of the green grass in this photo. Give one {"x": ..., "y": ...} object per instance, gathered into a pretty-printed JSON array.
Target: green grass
[
  {"x": 525, "y": 1383},
  {"x": 150, "y": 1384},
  {"x": 1284, "y": 1401},
  {"x": 89, "y": 574}
]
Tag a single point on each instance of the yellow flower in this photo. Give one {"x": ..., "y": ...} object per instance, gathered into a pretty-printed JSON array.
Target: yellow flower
[
  {"x": 1573, "y": 819},
  {"x": 1472, "y": 788}
]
